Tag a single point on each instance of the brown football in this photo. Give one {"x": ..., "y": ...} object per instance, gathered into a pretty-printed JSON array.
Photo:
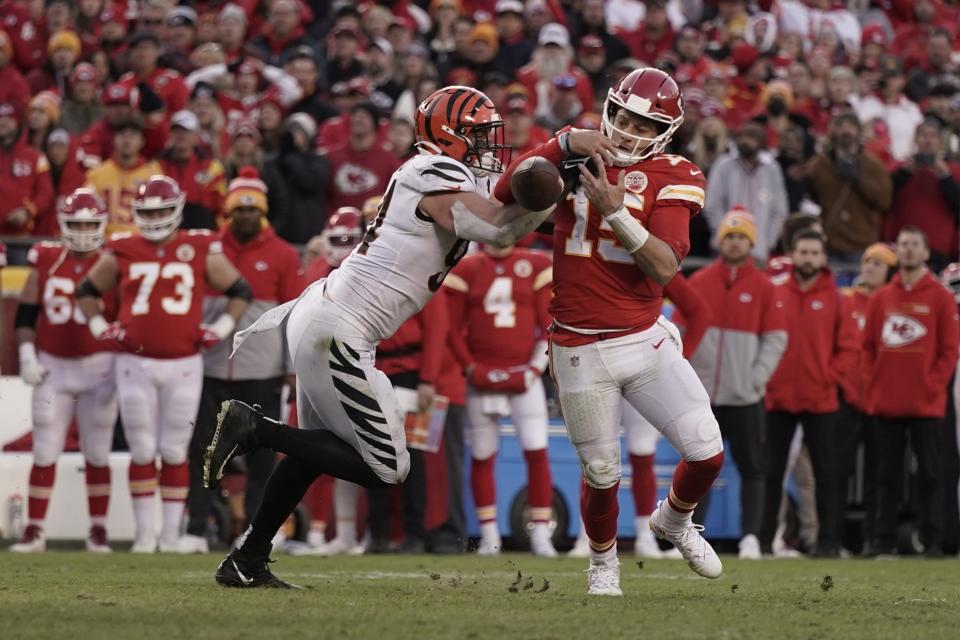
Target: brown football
[{"x": 536, "y": 184}]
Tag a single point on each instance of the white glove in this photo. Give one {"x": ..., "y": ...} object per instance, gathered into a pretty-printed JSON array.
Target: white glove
[{"x": 31, "y": 371}]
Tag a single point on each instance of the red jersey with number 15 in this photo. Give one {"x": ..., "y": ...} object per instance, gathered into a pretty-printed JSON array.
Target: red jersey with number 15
[
  {"x": 161, "y": 290},
  {"x": 597, "y": 286},
  {"x": 62, "y": 328},
  {"x": 502, "y": 305}
]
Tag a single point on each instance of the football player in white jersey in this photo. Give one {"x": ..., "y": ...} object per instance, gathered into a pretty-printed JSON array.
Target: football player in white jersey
[{"x": 350, "y": 423}]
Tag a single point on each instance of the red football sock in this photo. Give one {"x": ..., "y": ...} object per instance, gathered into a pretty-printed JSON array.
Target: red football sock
[
  {"x": 539, "y": 485},
  {"x": 143, "y": 479},
  {"x": 41, "y": 486},
  {"x": 484, "y": 489},
  {"x": 599, "y": 510},
  {"x": 98, "y": 492},
  {"x": 644, "y": 484},
  {"x": 174, "y": 482},
  {"x": 692, "y": 480}
]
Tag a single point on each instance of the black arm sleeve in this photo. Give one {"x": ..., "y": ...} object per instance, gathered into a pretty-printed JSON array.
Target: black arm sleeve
[
  {"x": 26, "y": 316},
  {"x": 240, "y": 289},
  {"x": 86, "y": 289}
]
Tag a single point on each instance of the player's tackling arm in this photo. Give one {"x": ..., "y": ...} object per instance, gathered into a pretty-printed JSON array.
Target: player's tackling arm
[
  {"x": 473, "y": 217},
  {"x": 101, "y": 278},
  {"x": 654, "y": 256},
  {"x": 224, "y": 277}
]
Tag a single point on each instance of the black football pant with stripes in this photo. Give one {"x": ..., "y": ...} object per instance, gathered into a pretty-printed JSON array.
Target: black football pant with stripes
[{"x": 350, "y": 423}]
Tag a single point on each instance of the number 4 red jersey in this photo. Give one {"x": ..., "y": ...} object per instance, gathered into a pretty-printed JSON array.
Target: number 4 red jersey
[
  {"x": 597, "y": 286},
  {"x": 161, "y": 289},
  {"x": 502, "y": 305},
  {"x": 62, "y": 328}
]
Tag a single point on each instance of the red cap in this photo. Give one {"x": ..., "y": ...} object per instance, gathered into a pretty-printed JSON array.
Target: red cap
[
  {"x": 588, "y": 120},
  {"x": 743, "y": 56},
  {"x": 116, "y": 93},
  {"x": 519, "y": 104},
  {"x": 590, "y": 43},
  {"x": 874, "y": 34},
  {"x": 358, "y": 85},
  {"x": 83, "y": 72},
  {"x": 9, "y": 110}
]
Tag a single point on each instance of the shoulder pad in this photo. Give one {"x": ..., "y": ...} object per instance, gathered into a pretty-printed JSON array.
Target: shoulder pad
[{"x": 438, "y": 174}]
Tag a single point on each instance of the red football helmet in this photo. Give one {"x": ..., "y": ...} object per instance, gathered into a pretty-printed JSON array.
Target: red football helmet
[
  {"x": 462, "y": 123},
  {"x": 79, "y": 210},
  {"x": 649, "y": 93},
  {"x": 342, "y": 233},
  {"x": 950, "y": 277},
  {"x": 157, "y": 195}
]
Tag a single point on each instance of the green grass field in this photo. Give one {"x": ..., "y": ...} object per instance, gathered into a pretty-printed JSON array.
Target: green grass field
[{"x": 76, "y": 595}]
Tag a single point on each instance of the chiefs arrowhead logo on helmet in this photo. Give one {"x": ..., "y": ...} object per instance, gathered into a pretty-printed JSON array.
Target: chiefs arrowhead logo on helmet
[
  {"x": 83, "y": 220},
  {"x": 462, "y": 123},
  {"x": 650, "y": 94},
  {"x": 158, "y": 208}
]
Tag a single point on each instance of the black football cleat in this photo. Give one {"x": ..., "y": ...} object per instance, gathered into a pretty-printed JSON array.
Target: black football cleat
[
  {"x": 241, "y": 572},
  {"x": 234, "y": 436}
]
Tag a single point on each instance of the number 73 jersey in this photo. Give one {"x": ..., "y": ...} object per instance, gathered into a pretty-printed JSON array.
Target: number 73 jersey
[
  {"x": 161, "y": 289},
  {"x": 596, "y": 284},
  {"x": 62, "y": 328}
]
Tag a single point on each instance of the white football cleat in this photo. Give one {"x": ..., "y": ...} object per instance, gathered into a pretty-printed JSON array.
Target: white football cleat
[
  {"x": 604, "y": 579},
  {"x": 316, "y": 539},
  {"x": 339, "y": 546},
  {"x": 541, "y": 544},
  {"x": 97, "y": 540},
  {"x": 189, "y": 544},
  {"x": 698, "y": 553},
  {"x": 32, "y": 541},
  {"x": 144, "y": 544},
  {"x": 646, "y": 545},
  {"x": 749, "y": 548},
  {"x": 581, "y": 548},
  {"x": 489, "y": 546},
  {"x": 672, "y": 554}
]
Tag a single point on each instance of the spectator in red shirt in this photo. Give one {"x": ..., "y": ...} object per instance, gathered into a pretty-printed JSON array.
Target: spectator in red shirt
[
  {"x": 362, "y": 167},
  {"x": 519, "y": 129},
  {"x": 926, "y": 194},
  {"x": 910, "y": 353},
  {"x": 13, "y": 86},
  {"x": 144, "y": 52},
  {"x": 282, "y": 33},
  {"x": 199, "y": 175},
  {"x": 743, "y": 90},
  {"x": 63, "y": 50},
  {"x": 820, "y": 353},
  {"x": 553, "y": 57},
  {"x": 26, "y": 192},
  {"x": 655, "y": 35}
]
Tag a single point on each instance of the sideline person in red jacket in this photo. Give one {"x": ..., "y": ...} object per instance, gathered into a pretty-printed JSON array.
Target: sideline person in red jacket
[
  {"x": 739, "y": 352},
  {"x": 910, "y": 352},
  {"x": 854, "y": 425},
  {"x": 820, "y": 354}
]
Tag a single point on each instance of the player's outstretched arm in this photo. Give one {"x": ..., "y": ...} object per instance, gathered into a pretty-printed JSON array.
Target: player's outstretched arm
[
  {"x": 473, "y": 217},
  {"x": 101, "y": 278},
  {"x": 654, "y": 256},
  {"x": 224, "y": 277}
]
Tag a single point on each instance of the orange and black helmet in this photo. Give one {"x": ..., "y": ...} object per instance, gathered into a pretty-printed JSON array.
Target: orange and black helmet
[{"x": 461, "y": 122}]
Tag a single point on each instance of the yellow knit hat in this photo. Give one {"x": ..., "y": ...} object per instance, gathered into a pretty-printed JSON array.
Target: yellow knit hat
[
  {"x": 246, "y": 190},
  {"x": 64, "y": 40},
  {"x": 738, "y": 220},
  {"x": 881, "y": 252}
]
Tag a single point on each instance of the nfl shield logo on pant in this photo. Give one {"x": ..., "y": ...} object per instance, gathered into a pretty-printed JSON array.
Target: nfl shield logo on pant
[{"x": 574, "y": 361}]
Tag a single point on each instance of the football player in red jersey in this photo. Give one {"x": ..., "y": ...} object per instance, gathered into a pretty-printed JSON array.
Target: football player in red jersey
[
  {"x": 161, "y": 275},
  {"x": 618, "y": 238},
  {"x": 70, "y": 372},
  {"x": 500, "y": 298}
]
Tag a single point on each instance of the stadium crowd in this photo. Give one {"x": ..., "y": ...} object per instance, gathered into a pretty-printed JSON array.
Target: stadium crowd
[{"x": 826, "y": 130}]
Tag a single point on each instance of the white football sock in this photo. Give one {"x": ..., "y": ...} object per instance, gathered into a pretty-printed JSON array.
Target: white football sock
[
  {"x": 345, "y": 502},
  {"x": 143, "y": 514},
  {"x": 172, "y": 517}
]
